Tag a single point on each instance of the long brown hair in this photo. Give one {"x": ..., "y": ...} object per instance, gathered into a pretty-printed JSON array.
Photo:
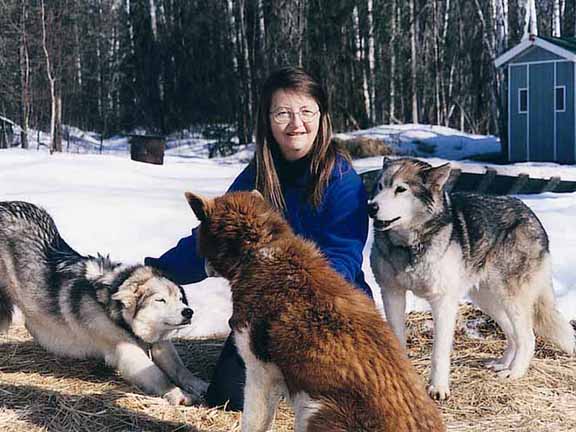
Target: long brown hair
[{"x": 322, "y": 154}]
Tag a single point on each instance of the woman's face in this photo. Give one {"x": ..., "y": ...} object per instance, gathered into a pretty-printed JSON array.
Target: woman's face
[{"x": 294, "y": 119}]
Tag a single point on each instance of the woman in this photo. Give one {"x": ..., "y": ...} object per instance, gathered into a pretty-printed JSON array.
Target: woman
[{"x": 304, "y": 176}]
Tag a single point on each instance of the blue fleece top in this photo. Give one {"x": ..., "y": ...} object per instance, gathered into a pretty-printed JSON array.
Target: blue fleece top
[{"x": 339, "y": 226}]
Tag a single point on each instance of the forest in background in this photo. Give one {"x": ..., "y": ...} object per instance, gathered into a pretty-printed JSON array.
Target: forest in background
[{"x": 160, "y": 66}]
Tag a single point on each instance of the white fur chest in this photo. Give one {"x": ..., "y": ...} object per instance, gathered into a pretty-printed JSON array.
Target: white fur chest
[
  {"x": 261, "y": 369},
  {"x": 437, "y": 271}
]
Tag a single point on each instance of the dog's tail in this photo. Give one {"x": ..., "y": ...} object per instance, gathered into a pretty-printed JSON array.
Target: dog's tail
[
  {"x": 551, "y": 325},
  {"x": 6, "y": 310}
]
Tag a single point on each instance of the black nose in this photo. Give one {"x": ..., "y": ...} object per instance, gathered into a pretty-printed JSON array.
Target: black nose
[
  {"x": 187, "y": 313},
  {"x": 372, "y": 209}
]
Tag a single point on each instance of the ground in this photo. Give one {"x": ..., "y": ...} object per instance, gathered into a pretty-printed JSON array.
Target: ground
[{"x": 41, "y": 392}]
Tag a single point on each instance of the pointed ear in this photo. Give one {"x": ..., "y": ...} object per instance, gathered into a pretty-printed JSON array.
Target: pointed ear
[
  {"x": 437, "y": 176},
  {"x": 125, "y": 296},
  {"x": 257, "y": 193},
  {"x": 385, "y": 162},
  {"x": 132, "y": 289},
  {"x": 199, "y": 205}
]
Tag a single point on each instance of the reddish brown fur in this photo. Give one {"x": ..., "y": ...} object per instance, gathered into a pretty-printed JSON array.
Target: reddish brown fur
[{"x": 326, "y": 337}]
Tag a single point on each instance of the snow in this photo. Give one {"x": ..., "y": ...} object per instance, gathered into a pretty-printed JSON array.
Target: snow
[
  {"x": 106, "y": 203},
  {"x": 428, "y": 140}
]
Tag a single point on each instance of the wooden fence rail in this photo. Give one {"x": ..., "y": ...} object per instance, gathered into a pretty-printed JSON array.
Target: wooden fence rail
[{"x": 491, "y": 182}]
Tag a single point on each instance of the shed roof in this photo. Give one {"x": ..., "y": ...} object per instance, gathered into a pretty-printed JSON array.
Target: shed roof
[
  {"x": 568, "y": 43},
  {"x": 564, "y": 47}
]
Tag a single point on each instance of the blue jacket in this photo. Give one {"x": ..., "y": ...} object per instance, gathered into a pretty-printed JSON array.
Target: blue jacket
[{"x": 339, "y": 226}]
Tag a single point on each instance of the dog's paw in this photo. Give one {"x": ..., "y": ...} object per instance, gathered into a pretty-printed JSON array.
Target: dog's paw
[
  {"x": 196, "y": 387},
  {"x": 439, "y": 392},
  {"x": 177, "y": 396},
  {"x": 510, "y": 374},
  {"x": 496, "y": 365}
]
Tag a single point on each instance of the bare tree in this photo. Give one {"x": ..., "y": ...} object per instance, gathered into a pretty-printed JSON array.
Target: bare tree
[
  {"x": 530, "y": 20},
  {"x": 392, "y": 53},
  {"x": 557, "y": 13},
  {"x": 24, "y": 76},
  {"x": 55, "y": 96},
  {"x": 413, "y": 61}
]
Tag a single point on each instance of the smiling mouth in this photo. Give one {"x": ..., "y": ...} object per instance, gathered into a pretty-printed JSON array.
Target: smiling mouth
[
  {"x": 182, "y": 324},
  {"x": 382, "y": 225}
]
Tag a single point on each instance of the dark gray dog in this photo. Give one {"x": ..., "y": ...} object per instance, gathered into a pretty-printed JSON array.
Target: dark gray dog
[
  {"x": 81, "y": 306},
  {"x": 445, "y": 246}
]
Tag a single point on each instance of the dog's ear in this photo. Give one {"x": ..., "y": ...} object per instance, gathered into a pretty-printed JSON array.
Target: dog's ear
[
  {"x": 437, "y": 176},
  {"x": 257, "y": 193},
  {"x": 132, "y": 289},
  {"x": 386, "y": 161},
  {"x": 199, "y": 205}
]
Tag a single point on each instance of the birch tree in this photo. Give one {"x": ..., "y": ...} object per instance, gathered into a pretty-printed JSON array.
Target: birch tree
[
  {"x": 557, "y": 12},
  {"x": 413, "y": 62},
  {"x": 24, "y": 76},
  {"x": 530, "y": 20},
  {"x": 55, "y": 95},
  {"x": 392, "y": 53}
]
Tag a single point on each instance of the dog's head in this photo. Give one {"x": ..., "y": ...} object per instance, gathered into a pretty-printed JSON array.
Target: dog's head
[
  {"x": 232, "y": 227},
  {"x": 407, "y": 194},
  {"x": 152, "y": 305}
]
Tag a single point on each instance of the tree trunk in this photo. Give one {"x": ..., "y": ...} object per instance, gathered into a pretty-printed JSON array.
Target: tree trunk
[
  {"x": 371, "y": 63},
  {"x": 56, "y": 104},
  {"x": 24, "y": 78},
  {"x": 392, "y": 72},
  {"x": 413, "y": 63},
  {"x": 530, "y": 20},
  {"x": 556, "y": 13}
]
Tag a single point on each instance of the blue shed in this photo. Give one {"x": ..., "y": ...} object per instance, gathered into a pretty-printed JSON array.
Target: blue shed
[{"x": 541, "y": 83}]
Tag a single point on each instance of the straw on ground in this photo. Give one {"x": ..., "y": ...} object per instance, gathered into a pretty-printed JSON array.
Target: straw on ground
[{"x": 42, "y": 392}]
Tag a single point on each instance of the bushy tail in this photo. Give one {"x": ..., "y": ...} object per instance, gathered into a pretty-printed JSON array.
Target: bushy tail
[
  {"x": 551, "y": 325},
  {"x": 6, "y": 311}
]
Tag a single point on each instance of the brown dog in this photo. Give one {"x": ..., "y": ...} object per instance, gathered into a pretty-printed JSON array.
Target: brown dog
[{"x": 303, "y": 331}]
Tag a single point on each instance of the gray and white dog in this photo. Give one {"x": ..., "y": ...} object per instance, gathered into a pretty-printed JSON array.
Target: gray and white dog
[
  {"x": 83, "y": 307},
  {"x": 443, "y": 246}
]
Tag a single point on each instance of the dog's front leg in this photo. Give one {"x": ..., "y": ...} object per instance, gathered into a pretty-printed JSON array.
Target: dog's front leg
[
  {"x": 444, "y": 312},
  {"x": 261, "y": 395},
  {"x": 134, "y": 365},
  {"x": 166, "y": 357},
  {"x": 394, "y": 299}
]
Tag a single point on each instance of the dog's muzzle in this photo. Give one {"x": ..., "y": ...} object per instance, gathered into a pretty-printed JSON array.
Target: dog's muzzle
[
  {"x": 187, "y": 314},
  {"x": 372, "y": 209},
  {"x": 382, "y": 225}
]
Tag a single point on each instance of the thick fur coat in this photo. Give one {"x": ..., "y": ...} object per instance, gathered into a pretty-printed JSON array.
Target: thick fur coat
[
  {"x": 303, "y": 331},
  {"x": 90, "y": 307},
  {"x": 445, "y": 246}
]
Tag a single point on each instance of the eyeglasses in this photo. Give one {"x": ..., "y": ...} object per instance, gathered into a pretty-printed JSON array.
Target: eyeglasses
[{"x": 283, "y": 116}]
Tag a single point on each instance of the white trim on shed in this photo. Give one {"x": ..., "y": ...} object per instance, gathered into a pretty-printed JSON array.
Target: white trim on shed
[{"x": 530, "y": 42}]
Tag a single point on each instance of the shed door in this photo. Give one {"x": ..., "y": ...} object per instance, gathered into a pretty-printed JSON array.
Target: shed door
[{"x": 541, "y": 112}]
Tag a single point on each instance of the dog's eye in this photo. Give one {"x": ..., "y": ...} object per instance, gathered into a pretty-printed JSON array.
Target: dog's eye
[
  {"x": 161, "y": 300},
  {"x": 400, "y": 189}
]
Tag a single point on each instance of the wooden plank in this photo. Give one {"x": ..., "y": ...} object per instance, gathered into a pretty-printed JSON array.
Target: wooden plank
[
  {"x": 486, "y": 181},
  {"x": 519, "y": 184},
  {"x": 454, "y": 175},
  {"x": 551, "y": 184}
]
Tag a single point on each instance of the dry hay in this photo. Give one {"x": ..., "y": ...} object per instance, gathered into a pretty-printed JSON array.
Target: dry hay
[{"x": 41, "y": 392}]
